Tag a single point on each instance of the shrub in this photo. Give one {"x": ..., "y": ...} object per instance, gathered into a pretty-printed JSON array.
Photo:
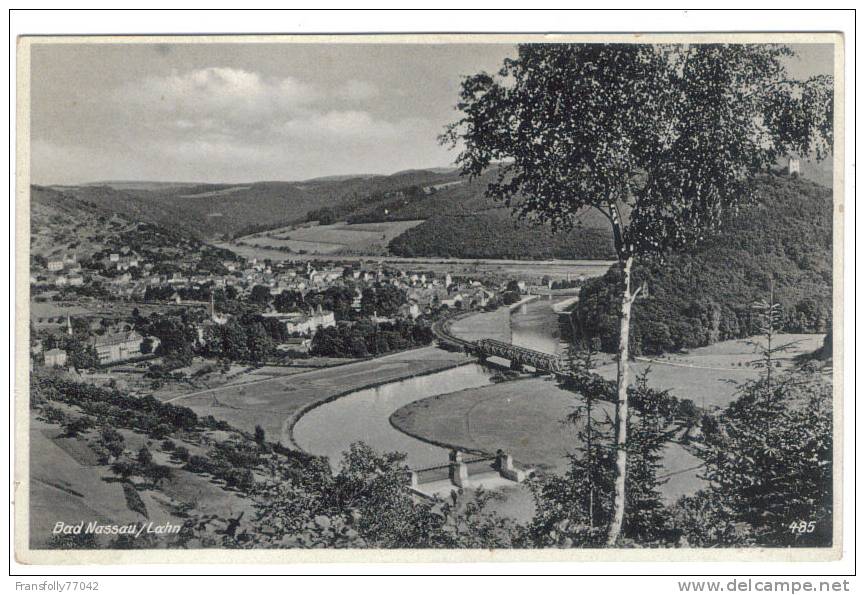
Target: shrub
[
  {"x": 181, "y": 453},
  {"x": 198, "y": 464}
]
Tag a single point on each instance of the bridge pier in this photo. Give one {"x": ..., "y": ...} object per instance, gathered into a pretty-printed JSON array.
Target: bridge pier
[
  {"x": 458, "y": 472},
  {"x": 506, "y": 468}
]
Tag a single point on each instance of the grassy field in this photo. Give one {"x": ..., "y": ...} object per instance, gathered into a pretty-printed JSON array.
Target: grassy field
[
  {"x": 332, "y": 239},
  {"x": 276, "y": 403},
  {"x": 524, "y": 418},
  {"x": 709, "y": 375},
  {"x": 65, "y": 489}
]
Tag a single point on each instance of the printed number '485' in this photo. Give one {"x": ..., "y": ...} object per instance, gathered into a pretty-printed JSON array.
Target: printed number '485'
[{"x": 801, "y": 527}]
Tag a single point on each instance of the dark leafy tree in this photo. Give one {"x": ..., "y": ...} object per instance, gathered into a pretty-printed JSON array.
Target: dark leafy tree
[
  {"x": 259, "y": 343},
  {"x": 660, "y": 139},
  {"x": 81, "y": 355},
  {"x": 112, "y": 441},
  {"x": 260, "y": 295},
  {"x": 78, "y": 426}
]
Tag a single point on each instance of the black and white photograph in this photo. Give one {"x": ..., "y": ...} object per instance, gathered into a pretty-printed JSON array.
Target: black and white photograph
[{"x": 557, "y": 295}]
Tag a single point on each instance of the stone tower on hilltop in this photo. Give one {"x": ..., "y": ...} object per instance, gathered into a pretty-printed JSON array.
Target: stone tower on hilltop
[{"x": 792, "y": 166}]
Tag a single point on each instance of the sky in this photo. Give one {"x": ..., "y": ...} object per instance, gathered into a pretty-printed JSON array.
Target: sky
[{"x": 207, "y": 112}]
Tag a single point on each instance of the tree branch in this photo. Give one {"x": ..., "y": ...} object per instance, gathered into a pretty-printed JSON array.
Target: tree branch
[{"x": 637, "y": 292}]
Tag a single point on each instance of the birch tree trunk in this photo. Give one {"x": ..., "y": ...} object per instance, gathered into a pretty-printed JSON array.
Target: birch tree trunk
[{"x": 622, "y": 408}]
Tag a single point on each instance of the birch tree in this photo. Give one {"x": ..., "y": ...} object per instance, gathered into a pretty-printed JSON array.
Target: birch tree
[{"x": 660, "y": 139}]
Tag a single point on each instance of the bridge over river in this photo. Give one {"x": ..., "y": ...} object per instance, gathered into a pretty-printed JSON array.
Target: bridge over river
[{"x": 518, "y": 356}]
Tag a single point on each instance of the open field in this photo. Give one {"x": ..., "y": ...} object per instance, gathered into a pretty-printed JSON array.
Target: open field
[
  {"x": 276, "y": 403},
  {"x": 332, "y": 239},
  {"x": 709, "y": 375},
  {"x": 63, "y": 488},
  {"x": 212, "y": 193},
  {"x": 86, "y": 307},
  {"x": 525, "y": 418},
  {"x": 68, "y": 484}
]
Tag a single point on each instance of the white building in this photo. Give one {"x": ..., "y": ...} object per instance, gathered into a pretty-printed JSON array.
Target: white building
[
  {"x": 304, "y": 323},
  {"x": 55, "y": 358}
]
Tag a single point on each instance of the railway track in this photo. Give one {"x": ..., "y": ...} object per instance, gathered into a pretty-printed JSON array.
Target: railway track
[{"x": 441, "y": 330}]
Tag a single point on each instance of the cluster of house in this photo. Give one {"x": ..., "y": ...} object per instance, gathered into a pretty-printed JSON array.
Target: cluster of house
[
  {"x": 131, "y": 275},
  {"x": 111, "y": 347},
  {"x": 127, "y": 274},
  {"x": 63, "y": 271},
  {"x": 286, "y": 276},
  {"x": 425, "y": 291}
]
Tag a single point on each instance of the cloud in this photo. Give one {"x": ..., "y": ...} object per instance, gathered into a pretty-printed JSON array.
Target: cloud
[
  {"x": 230, "y": 94},
  {"x": 220, "y": 102},
  {"x": 214, "y": 123},
  {"x": 355, "y": 90},
  {"x": 345, "y": 125}
]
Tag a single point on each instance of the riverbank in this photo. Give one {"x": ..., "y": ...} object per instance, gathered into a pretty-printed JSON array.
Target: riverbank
[
  {"x": 277, "y": 404},
  {"x": 524, "y": 417},
  {"x": 330, "y": 428}
]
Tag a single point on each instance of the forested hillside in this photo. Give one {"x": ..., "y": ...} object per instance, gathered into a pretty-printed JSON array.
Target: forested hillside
[
  {"x": 64, "y": 226},
  {"x": 213, "y": 211},
  {"x": 496, "y": 234},
  {"x": 699, "y": 298}
]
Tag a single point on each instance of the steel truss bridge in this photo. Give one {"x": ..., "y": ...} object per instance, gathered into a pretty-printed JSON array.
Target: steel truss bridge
[{"x": 519, "y": 356}]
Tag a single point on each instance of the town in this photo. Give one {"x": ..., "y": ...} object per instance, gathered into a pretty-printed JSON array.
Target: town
[{"x": 150, "y": 311}]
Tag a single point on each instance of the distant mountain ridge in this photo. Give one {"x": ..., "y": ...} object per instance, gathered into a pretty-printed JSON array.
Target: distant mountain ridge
[
  {"x": 452, "y": 206},
  {"x": 214, "y": 211}
]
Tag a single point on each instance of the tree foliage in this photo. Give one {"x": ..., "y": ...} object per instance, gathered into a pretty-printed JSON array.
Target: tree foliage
[
  {"x": 660, "y": 138},
  {"x": 770, "y": 462}
]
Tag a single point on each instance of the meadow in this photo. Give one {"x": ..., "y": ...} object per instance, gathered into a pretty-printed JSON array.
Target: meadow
[{"x": 362, "y": 238}]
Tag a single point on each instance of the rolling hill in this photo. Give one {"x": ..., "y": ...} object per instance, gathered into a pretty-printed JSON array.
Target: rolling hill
[
  {"x": 62, "y": 225},
  {"x": 458, "y": 220},
  {"x": 218, "y": 211}
]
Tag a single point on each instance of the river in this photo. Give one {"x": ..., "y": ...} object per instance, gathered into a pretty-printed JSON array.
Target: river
[
  {"x": 535, "y": 325},
  {"x": 364, "y": 415}
]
